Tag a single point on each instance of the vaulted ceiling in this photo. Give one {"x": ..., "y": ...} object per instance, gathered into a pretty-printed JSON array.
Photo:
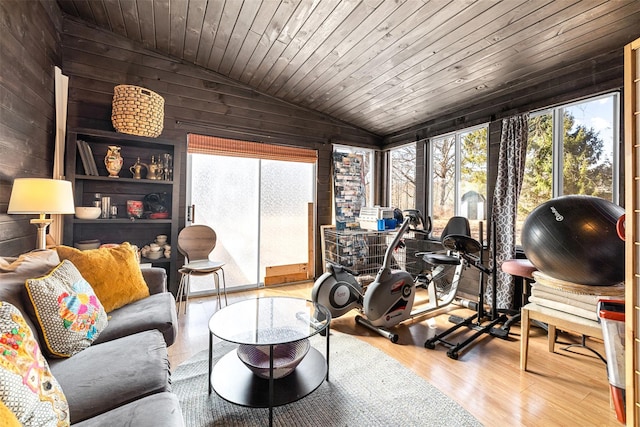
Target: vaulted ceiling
[{"x": 381, "y": 65}]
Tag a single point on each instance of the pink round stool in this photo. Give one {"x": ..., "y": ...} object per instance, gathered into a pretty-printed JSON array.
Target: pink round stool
[{"x": 521, "y": 268}]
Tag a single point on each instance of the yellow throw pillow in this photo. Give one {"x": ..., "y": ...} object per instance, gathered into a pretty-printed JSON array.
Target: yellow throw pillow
[{"x": 113, "y": 273}]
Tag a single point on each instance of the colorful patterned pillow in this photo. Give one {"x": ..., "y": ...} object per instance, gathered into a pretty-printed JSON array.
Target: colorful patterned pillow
[
  {"x": 27, "y": 387},
  {"x": 66, "y": 310}
]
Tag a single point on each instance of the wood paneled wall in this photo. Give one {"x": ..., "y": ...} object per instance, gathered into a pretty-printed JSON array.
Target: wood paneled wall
[
  {"x": 196, "y": 101},
  {"x": 30, "y": 39}
]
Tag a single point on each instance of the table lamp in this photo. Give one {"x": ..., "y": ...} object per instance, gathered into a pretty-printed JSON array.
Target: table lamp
[{"x": 41, "y": 196}]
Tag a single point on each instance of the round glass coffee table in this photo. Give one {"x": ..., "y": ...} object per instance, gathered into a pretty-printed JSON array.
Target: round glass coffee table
[{"x": 269, "y": 322}]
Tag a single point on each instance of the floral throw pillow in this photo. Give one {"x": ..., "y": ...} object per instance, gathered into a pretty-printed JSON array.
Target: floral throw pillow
[
  {"x": 66, "y": 310},
  {"x": 27, "y": 387}
]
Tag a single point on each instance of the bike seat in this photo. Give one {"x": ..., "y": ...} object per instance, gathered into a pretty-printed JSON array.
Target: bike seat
[
  {"x": 435, "y": 258},
  {"x": 461, "y": 243}
]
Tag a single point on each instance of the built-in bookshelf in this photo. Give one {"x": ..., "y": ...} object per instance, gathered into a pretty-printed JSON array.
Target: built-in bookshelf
[{"x": 85, "y": 168}]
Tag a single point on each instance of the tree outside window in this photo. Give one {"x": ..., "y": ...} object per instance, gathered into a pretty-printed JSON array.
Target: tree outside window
[
  {"x": 459, "y": 178},
  {"x": 403, "y": 177},
  {"x": 588, "y": 163},
  {"x": 443, "y": 160}
]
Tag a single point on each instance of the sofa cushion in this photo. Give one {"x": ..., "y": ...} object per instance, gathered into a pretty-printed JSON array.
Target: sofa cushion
[
  {"x": 114, "y": 273},
  {"x": 30, "y": 263},
  {"x": 157, "y": 311},
  {"x": 67, "y": 311},
  {"x": 157, "y": 410},
  {"x": 15, "y": 271},
  {"x": 108, "y": 375},
  {"x": 156, "y": 279},
  {"x": 27, "y": 386}
]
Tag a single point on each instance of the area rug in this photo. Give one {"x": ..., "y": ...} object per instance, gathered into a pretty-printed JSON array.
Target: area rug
[{"x": 365, "y": 388}]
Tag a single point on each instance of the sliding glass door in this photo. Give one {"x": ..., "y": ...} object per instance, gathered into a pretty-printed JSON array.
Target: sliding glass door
[{"x": 259, "y": 210}]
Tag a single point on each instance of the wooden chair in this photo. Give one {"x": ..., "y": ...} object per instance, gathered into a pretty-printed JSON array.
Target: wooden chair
[{"x": 196, "y": 243}]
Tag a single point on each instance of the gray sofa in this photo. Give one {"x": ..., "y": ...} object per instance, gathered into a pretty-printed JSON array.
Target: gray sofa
[{"x": 123, "y": 378}]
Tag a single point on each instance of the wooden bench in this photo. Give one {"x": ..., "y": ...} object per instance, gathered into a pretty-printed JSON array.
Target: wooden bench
[{"x": 554, "y": 319}]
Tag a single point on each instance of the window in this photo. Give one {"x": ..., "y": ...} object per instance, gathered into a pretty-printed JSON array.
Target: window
[
  {"x": 572, "y": 149},
  {"x": 458, "y": 184},
  {"x": 403, "y": 177}
]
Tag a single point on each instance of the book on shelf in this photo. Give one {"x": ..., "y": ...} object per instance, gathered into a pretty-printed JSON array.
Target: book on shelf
[
  {"x": 86, "y": 155},
  {"x": 92, "y": 160},
  {"x": 83, "y": 157}
]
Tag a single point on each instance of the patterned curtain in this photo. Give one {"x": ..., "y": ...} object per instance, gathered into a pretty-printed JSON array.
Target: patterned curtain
[{"x": 513, "y": 149}]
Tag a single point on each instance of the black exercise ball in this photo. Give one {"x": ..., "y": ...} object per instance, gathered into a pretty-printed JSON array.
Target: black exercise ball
[{"x": 574, "y": 238}]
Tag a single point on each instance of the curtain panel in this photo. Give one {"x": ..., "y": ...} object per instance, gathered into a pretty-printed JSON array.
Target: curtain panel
[{"x": 513, "y": 150}]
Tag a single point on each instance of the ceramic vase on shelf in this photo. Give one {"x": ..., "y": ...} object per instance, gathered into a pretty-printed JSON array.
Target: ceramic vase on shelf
[{"x": 113, "y": 161}]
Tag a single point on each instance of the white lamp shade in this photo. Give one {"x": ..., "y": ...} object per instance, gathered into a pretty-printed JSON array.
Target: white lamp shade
[{"x": 41, "y": 196}]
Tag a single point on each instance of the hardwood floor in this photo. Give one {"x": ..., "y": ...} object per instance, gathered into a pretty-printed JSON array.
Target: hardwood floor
[{"x": 559, "y": 389}]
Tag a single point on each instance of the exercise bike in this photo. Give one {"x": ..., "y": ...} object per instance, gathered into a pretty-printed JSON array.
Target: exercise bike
[
  {"x": 481, "y": 322},
  {"x": 389, "y": 299}
]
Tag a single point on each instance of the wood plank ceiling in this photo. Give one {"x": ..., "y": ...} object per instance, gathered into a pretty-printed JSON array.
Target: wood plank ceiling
[{"x": 381, "y": 65}]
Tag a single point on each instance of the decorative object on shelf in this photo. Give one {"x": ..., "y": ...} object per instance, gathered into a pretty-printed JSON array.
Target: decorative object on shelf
[
  {"x": 136, "y": 169},
  {"x": 167, "y": 162},
  {"x": 154, "y": 169},
  {"x": 113, "y": 161},
  {"x": 105, "y": 205},
  {"x": 160, "y": 171},
  {"x": 157, "y": 249},
  {"x": 88, "y": 212},
  {"x": 155, "y": 203},
  {"x": 41, "y": 196},
  {"x": 135, "y": 208},
  {"x": 137, "y": 111},
  {"x": 153, "y": 252},
  {"x": 285, "y": 358},
  {"x": 159, "y": 215},
  {"x": 85, "y": 245}
]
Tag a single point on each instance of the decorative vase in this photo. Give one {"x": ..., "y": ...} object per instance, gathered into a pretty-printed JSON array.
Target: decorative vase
[{"x": 113, "y": 161}]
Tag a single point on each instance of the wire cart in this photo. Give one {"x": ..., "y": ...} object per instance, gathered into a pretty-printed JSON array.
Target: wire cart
[{"x": 362, "y": 251}]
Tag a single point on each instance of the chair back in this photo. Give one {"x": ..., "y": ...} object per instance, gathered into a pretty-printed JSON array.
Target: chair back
[
  {"x": 456, "y": 225},
  {"x": 196, "y": 242}
]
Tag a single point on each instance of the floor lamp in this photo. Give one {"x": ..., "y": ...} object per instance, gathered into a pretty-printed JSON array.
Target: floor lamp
[{"x": 41, "y": 196}]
